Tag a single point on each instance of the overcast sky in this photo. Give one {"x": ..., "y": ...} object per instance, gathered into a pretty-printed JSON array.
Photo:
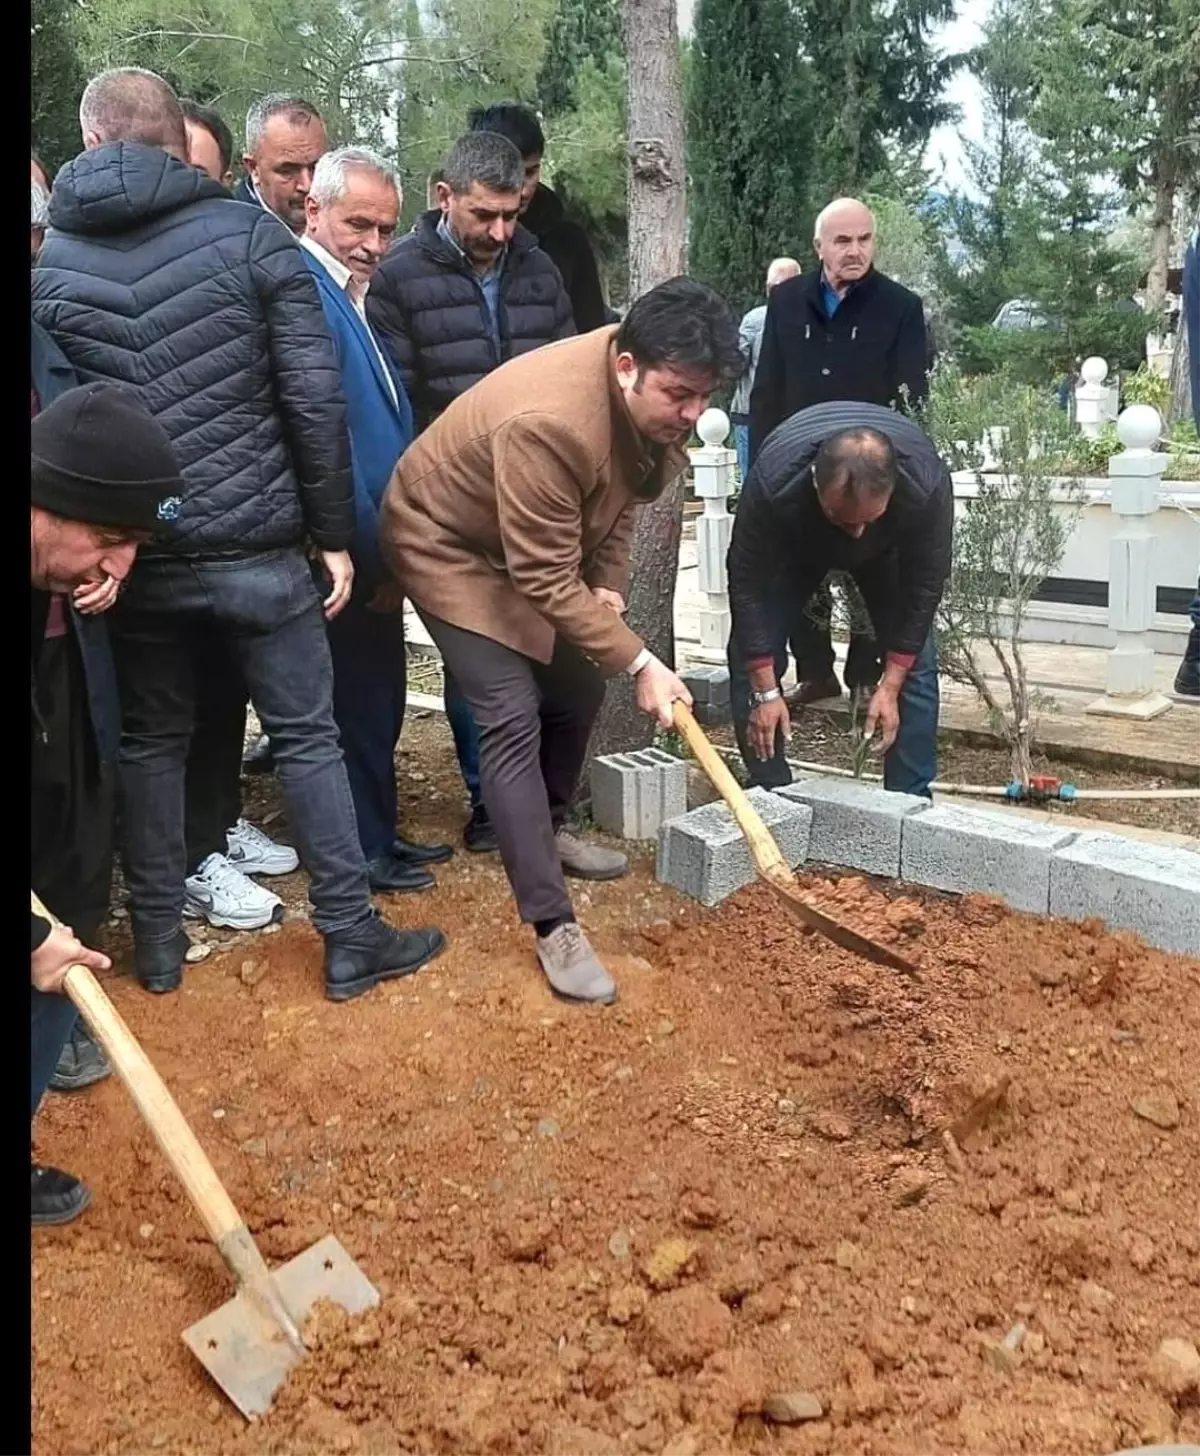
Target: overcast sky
[{"x": 944, "y": 156}]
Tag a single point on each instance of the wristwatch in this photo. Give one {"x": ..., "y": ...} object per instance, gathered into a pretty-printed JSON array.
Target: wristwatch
[{"x": 770, "y": 696}]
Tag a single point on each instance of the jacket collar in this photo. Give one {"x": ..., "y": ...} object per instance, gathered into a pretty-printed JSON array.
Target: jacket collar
[{"x": 426, "y": 229}]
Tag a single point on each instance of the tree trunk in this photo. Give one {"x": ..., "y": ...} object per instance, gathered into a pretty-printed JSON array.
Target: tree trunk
[
  {"x": 657, "y": 251},
  {"x": 1180, "y": 406},
  {"x": 1160, "y": 242}
]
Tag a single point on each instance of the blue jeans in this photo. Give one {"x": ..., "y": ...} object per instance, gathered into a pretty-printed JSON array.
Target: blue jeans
[
  {"x": 741, "y": 443},
  {"x": 51, "y": 1021},
  {"x": 466, "y": 735},
  {"x": 266, "y": 609},
  {"x": 910, "y": 765}
]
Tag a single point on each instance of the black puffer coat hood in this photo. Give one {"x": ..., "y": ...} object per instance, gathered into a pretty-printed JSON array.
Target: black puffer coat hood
[{"x": 153, "y": 277}]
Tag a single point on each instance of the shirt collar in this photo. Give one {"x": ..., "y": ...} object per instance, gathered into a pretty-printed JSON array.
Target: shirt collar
[
  {"x": 336, "y": 269},
  {"x": 443, "y": 231}
]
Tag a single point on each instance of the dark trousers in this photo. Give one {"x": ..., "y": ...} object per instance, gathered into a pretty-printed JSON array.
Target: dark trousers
[
  {"x": 910, "y": 765},
  {"x": 534, "y": 723},
  {"x": 212, "y": 796},
  {"x": 369, "y": 683},
  {"x": 812, "y": 646},
  {"x": 266, "y": 610},
  {"x": 71, "y": 857}
]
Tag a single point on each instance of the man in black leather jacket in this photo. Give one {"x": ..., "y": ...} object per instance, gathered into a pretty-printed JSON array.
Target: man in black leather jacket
[{"x": 153, "y": 277}]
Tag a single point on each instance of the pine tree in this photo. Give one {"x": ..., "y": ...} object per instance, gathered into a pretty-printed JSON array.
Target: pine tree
[
  {"x": 56, "y": 83},
  {"x": 749, "y": 143}
]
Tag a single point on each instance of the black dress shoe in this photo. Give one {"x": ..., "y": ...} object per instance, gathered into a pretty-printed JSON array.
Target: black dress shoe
[
  {"x": 419, "y": 854},
  {"x": 158, "y": 965},
  {"x": 373, "y": 953},
  {"x": 54, "y": 1196},
  {"x": 259, "y": 757},
  {"x": 390, "y": 876},
  {"x": 81, "y": 1064},
  {"x": 479, "y": 836}
]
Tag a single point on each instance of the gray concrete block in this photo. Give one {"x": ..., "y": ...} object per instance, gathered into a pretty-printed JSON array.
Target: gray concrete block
[
  {"x": 982, "y": 852},
  {"x": 705, "y": 855},
  {"x": 708, "y": 685},
  {"x": 634, "y": 794},
  {"x": 1151, "y": 889},
  {"x": 854, "y": 824}
]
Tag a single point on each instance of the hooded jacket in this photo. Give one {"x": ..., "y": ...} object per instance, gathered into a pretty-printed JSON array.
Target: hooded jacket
[
  {"x": 152, "y": 276},
  {"x": 566, "y": 245},
  {"x": 428, "y": 309}
]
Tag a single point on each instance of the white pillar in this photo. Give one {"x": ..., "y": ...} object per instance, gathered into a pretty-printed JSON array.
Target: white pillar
[
  {"x": 1092, "y": 398},
  {"x": 1135, "y": 475},
  {"x": 713, "y": 480}
]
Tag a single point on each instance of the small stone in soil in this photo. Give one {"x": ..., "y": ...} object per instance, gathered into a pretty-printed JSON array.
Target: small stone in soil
[
  {"x": 792, "y": 1407},
  {"x": 548, "y": 1128},
  {"x": 909, "y": 1186},
  {"x": 252, "y": 972},
  {"x": 1159, "y": 1108},
  {"x": 831, "y": 1126},
  {"x": 618, "y": 1243},
  {"x": 196, "y": 953},
  {"x": 1175, "y": 1368}
]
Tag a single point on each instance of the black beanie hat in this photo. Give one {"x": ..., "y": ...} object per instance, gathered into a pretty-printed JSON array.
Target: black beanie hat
[{"x": 97, "y": 455}]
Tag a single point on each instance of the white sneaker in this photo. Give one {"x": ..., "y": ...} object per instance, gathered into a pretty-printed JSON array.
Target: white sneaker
[
  {"x": 222, "y": 895},
  {"x": 255, "y": 853}
]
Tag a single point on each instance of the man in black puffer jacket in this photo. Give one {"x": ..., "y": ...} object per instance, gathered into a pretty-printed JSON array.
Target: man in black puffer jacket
[
  {"x": 467, "y": 289},
  {"x": 154, "y": 278}
]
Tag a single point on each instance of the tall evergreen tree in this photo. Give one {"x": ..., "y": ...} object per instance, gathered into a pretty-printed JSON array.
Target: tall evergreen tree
[
  {"x": 749, "y": 143},
  {"x": 56, "y": 83}
]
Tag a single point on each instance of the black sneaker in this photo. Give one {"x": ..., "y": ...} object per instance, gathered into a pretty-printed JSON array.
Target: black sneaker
[
  {"x": 374, "y": 952},
  {"x": 54, "y": 1196},
  {"x": 81, "y": 1064},
  {"x": 158, "y": 964},
  {"x": 479, "y": 836},
  {"x": 1187, "y": 679}
]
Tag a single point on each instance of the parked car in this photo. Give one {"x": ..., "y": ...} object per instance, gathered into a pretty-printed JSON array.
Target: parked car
[{"x": 1020, "y": 313}]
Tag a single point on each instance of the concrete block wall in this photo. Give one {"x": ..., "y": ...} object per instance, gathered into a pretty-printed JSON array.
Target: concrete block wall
[
  {"x": 704, "y": 854},
  {"x": 982, "y": 852},
  {"x": 709, "y": 687},
  {"x": 1151, "y": 889},
  {"x": 634, "y": 794},
  {"x": 854, "y": 824}
]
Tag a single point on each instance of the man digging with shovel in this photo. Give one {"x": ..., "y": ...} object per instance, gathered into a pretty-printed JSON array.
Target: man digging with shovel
[
  {"x": 103, "y": 479},
  {"x": 508, "y": 525}
]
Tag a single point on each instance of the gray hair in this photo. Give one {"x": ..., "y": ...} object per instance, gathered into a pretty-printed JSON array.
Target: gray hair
[
  {"x": 781, "y": 270},
  {"x": 132, "y": 105},
  {"x": 278, "y": 103},
  {"x": 39, "y": 207},
  {"x": 331, "y": 172},
  {"x": 827, "y": 212},
  {"x": 487, "y": 158}
]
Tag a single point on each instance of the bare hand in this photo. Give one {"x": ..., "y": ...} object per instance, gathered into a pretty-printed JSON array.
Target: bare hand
[
  {"x": 340, "y": 570},
  {"x": 56, "y": 955},
  {"x": 767, "y": 720},
  {"x": 611, "y": 599},
  {"x": 96, "y": 596},
  {"x": 883, "y": 712},
  {"x": 388, "y": 598},
  {"x": 657, "y": 688}
]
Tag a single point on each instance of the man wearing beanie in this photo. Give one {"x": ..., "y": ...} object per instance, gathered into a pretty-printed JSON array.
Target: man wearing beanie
[
  {"x": 153, "y": 277},
  {"x": 102, "y": 478}
]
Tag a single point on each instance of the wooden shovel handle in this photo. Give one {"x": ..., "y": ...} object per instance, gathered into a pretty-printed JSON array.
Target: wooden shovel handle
[
  {"x": 162, "y": 1116},
  {"x": 771, "y": 863}
]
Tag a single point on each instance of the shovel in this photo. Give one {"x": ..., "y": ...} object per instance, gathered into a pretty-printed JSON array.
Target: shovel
[
  {"x": 252, "y": 1341},
  {"x": 771, "y": 865}
]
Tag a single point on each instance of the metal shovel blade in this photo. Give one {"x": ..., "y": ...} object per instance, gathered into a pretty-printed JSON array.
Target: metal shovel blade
[
  {"x": 246, "y": 1352},
  {"x": 834, "y": 930}
]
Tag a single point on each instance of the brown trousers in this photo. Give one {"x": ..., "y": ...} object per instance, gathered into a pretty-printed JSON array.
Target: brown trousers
[{"x": 534, "y": 723}]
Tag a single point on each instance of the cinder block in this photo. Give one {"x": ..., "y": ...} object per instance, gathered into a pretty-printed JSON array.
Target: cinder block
[
  {"x": 634, "y": 794},
  {"x": 1130, "y": 884},
  {"x": 854, "y": 824},
  {"x": 704, "y": 854},
  {"x": 709, "y": 687},
  {"x": 977, "y": 851}
]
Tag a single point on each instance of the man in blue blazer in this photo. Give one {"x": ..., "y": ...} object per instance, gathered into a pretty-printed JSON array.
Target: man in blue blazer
[{"x": 351, "y": 211}]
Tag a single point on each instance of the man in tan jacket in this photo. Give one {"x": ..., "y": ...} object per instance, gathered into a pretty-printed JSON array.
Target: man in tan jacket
[{"x": 507, "y": 524}]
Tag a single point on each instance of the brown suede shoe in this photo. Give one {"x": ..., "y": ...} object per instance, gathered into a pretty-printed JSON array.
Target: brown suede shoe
[
  {"x": 589, "y": 861},
  {"x": 815, "y": 690}
]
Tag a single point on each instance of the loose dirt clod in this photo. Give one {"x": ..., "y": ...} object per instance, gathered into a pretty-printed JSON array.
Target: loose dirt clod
[
  {"x": 1160, "y": 1108},
  {"x": 1175, "y": 1368},
  {"x": 792, "y": 1407}
]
